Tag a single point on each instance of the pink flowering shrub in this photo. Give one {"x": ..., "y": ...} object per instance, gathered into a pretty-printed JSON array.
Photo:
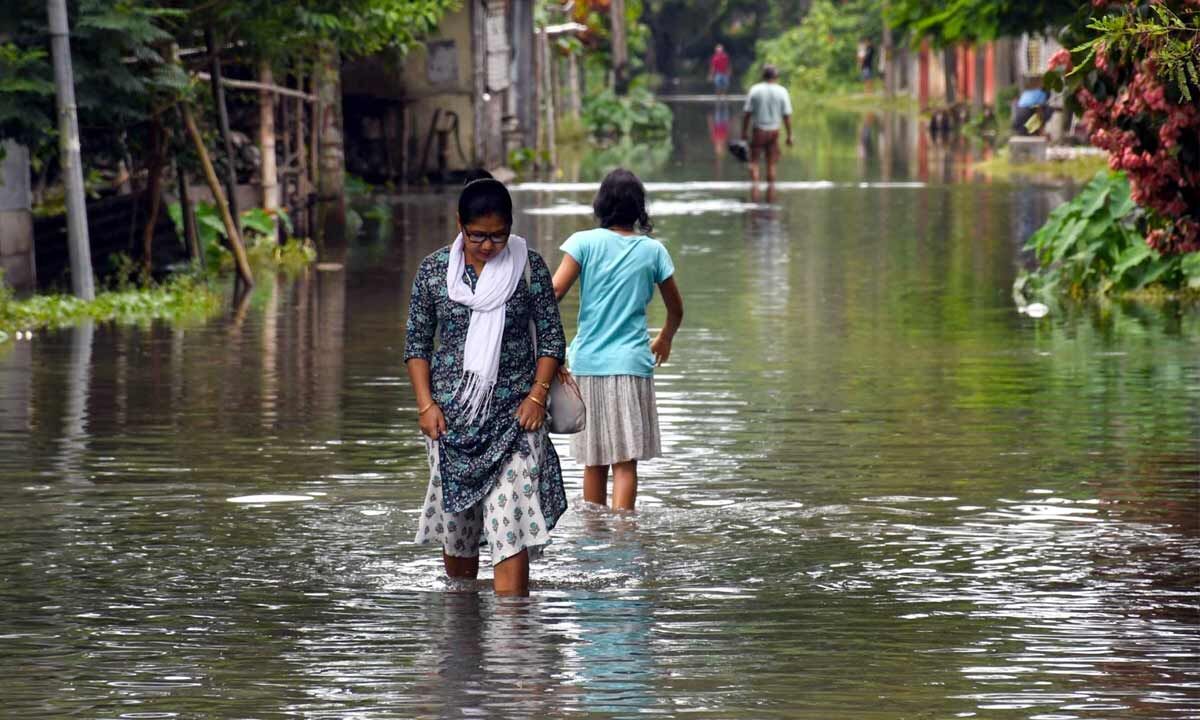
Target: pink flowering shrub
[{"x": 1133, "y": 74}]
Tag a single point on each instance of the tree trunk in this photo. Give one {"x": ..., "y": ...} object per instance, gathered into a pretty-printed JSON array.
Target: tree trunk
[
  {"x": 268, "y": 170},
  {"x": 547, "y": 96},
  {"x": 218, "y": 89},
  {"x": 949, "y": 68},
  {"x": 620, "y": 49},
  {"x": 78, "y": 244},
  {"x": 574, "y": 106},
  {"x": 214, "y": 185},
  {"x": 329, "y": 93},
  {"x": 153, "y": 192},
  {"x": 889, "y": 57}
]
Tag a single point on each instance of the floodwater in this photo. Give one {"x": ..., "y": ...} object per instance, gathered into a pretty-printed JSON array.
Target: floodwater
[{"x": 886, "y": 493}]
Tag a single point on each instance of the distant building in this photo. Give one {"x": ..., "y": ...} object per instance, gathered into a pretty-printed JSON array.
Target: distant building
[
  {"x": 978, "y": 71},
  {"x": 466, "y": 97},
  {"x": 16, "y": 221}
]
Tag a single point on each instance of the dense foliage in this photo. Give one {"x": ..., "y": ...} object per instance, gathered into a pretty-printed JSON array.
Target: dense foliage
[
  {"x": 685, "y": 31},
  {"x": 122, "y": 73},
  {"x": 946, "y": 22},
  {"x": 259, "y": 228},
  {"x": 1091, "y": 245},
  {"x": 607, "y": 115},
  {"x": 1134, "y": 71},
  {"x": 820, "y": 52}
]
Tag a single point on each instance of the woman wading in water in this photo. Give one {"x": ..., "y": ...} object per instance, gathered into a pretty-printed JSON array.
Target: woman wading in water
[
  {"x": 618, "y": 265},
  {"x": 494, "y": 477}
]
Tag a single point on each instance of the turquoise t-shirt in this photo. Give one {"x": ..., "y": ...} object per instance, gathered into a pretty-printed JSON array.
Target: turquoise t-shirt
[{"x": 617, "y": 276}]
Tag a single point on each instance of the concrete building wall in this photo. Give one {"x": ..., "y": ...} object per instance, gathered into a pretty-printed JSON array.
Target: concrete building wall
[
  {"x": 16, "y": 220},
  {"x": 440, "y": 74}
]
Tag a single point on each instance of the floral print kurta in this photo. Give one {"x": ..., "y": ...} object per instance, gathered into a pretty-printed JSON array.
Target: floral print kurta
[{"x": 472, "y": 456}]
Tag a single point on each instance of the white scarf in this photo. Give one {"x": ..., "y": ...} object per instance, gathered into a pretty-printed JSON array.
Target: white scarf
[{"x": 481, "y": 356}]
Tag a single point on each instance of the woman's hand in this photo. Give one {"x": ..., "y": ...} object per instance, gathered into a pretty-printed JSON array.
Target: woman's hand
[
  {"x": 531, "y": 415},
  {"x": 661, "y": 349},
  {"x": 433, "y": 422}
]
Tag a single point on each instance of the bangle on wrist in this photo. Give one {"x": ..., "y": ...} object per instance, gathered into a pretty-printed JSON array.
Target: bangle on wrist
[
  {"x": 424, "y": 409},
  {"x": 543, "y": 384},
  {"x": 535, "y": 400}
]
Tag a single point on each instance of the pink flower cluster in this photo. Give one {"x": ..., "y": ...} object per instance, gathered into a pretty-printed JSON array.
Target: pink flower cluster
[
  {"x": 1061, "y": 60},
  {"x": 1143, "y": 130}
]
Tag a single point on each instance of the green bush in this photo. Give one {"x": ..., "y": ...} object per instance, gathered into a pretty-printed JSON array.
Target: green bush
[
  {"x": 637, "y": 115},
  {"x": 1091, "y": 246},
  {"x": 259, "y": 231}
]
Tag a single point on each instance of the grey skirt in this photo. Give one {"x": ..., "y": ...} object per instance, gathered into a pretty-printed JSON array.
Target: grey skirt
[{"x": 622, "y": 420}]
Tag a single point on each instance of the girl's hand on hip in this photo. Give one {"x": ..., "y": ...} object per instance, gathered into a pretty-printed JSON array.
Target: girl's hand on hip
[
  {"x": 530, "y": 415},
  {"x": 433, "y": 423},
  {"x": 661, "y": 348}
]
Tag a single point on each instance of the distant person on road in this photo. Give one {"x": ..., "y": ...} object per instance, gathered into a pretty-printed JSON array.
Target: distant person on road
[
  {"x": 866, "y": 63},
  {"x": 768, "y": 106},
  {"x": 481, "y": 381},
  {"x": 718, "y": 70},
  {"x": 1033, "y": 101},
  {"x": 612, "y": 357}
]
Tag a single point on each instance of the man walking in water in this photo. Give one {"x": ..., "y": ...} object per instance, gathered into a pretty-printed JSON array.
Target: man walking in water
[
  {"x": 767, "y": 107},
  {"x": 718, "y": 70}
]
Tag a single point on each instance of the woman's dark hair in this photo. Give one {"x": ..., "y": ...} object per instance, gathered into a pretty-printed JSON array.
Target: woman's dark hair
[
  {"x": 621, "y": 202},
  {"x": 483, "y": 197}
]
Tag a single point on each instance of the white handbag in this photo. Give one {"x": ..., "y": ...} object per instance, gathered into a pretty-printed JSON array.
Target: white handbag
[{"x": 565, "y": 411}]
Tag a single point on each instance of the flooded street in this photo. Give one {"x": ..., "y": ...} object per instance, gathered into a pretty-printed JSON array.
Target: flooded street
[{"x": 885, "y": 492}]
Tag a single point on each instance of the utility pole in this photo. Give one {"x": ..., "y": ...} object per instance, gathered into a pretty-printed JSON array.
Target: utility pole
[{"x": 78, "y": 244}]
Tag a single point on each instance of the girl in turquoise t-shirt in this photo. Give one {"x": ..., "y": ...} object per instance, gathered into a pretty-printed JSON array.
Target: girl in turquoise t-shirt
[{"x": 612, "y": 356}]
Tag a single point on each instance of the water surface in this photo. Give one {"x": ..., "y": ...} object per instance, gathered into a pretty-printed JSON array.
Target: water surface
[{"x": 885, "y": 492}]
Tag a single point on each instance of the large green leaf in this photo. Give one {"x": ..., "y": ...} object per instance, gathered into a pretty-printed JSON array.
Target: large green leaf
[
  {"x": 1190, "y": 265},
  {"x": 1132, "y": 257},
  {"x": 1094, "y": 195}
]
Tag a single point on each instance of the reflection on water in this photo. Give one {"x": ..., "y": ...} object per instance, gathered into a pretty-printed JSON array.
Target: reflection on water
[{"x": 885, "y": 493}]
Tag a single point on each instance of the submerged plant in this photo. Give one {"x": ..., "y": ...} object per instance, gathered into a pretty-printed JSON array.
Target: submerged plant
[
  {"x": 260, "y": 228},
  {"x": 180, "y": 298},
  {"x": 1092, "y": 245}
]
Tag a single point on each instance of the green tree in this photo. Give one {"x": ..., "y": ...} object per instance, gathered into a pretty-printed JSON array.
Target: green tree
[
  {"x": 819, "y": 53},
  {"x": 948, "y": 22}
]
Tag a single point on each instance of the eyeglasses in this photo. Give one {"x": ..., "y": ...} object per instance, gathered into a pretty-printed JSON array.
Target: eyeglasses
[{"x": 475, "y": 238}]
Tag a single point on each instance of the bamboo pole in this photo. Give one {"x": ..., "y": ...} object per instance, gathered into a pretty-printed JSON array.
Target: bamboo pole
[
  {"x": 268, "y": 171},
  {"x": 218, "y": 89},
  {"x": 190, "y": 233},
  {"x": 251, "y": 85},
  {"x": 214, "y": 185}
]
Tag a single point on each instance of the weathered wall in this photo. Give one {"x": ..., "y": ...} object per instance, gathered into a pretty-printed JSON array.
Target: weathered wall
[
  {"x": 16, "y": 221},
  {"x": 440, "y": 75}
]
